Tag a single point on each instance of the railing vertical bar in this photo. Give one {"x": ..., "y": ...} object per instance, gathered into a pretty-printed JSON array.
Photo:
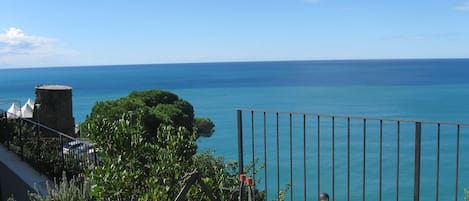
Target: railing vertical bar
[
  {"x": 35, "y": 157},
  {"x": 438, "y": 163},
  {"x": 348, "y": 158},
  {"x": 265, "y": 157},
  {"x": 398, "y": 158},
  {"x": 10, "y": 137},
  {"x": 62, "y": 153},
  {"x": 6, "y": 135},
  {"x": 21, "y": 140},
  {"x": 457, "y": 164},
  {"x": 333, "y": 158},
  {"x": 418, "y": 134},
  {"x": 364, "y": 161},
  {"x": 380, "y": 160},
  {"x": 278, "y": 159},
  {"x": 240, "y": 150},
  {"x": 253, "y": 175},
  {"x": 291, "y": 157},
  {"x": 304, "y": 157},
  {"x": 319, "y": 156}
]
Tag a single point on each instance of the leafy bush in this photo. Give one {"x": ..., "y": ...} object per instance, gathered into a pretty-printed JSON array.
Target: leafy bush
[
  {"x": 153, "y": 107},
  {"x": 70, "y": 190},
  {"x": 7, "y": 127},
  {"x": 204, "y": 126},
  {"x": 133, "y": 167},
  {"x": 219, "y": 175}
]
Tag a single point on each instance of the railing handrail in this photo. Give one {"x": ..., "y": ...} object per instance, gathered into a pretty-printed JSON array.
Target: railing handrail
[
  {"x": 56, "y": 148},
  {"x": 257, "y": 127},
  {"x": 355, "y": 117},
  {"x": 45, "y": 127}
]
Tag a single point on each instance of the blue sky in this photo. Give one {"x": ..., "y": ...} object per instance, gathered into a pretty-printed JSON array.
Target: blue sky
[{"x": 103, "y": 32}]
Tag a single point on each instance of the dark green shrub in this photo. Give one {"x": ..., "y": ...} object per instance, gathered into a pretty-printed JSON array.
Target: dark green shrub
[
  {"x": 7, "y": 129},
  {"x": 153, "y": 108}
]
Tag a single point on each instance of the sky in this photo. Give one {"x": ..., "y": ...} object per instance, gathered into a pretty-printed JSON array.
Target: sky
[{"x": 106, "y": 32}]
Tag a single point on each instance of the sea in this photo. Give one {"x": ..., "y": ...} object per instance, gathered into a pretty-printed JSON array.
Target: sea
[{"x": 423, "y": 89}]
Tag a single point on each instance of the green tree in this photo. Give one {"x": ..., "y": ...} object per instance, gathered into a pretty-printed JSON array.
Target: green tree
[
  {"x": 154, "y": 108},
  {"x": 204, "y": 126}
]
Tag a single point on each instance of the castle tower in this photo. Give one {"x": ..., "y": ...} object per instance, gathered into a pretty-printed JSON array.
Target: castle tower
[{"x": 53, "y": 108}]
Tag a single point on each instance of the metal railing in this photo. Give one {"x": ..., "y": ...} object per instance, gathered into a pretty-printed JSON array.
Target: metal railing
[
  {"x": 49, "y": 151},
  {"x": 302, "y": 155}
]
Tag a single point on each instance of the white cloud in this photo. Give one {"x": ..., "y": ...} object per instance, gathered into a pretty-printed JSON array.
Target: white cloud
[
  {"x": 20, "y": 49},
  {"x": 463, "y": 7}
]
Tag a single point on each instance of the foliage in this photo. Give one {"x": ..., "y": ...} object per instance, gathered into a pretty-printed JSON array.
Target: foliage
[
  {"x": 43, "y": 153},
  {"x": 7, "y": 127},
  {"x": 71, "y": 190},
  {"x": 146, "y": 144},
  {"x": 221, "y": 177},
  {"x": 282, "y": 193},
  {"x": 204, "y": 126},
  {"x": 134, "y": 167},
  {"x": 154, "y": 108},
  {"x": 52, "y": 163}
]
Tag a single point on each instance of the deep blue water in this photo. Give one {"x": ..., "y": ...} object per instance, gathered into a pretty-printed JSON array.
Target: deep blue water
[{"x": 436, "y": 90}]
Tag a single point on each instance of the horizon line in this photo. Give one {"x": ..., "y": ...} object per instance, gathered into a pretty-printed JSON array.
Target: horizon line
[{"x": 235, "y": 61}]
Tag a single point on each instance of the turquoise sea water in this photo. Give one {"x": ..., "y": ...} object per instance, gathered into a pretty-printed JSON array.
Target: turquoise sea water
[{"x": 436, "y": 90}]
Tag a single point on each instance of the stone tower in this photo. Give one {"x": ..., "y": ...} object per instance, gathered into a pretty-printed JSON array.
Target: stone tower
[{"x": 53, "y": 108}]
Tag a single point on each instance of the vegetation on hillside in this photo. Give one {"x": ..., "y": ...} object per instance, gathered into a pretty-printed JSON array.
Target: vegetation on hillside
[
  {"x": 146, "y": 142},
  {"x": 153, "y": 108},
  {"x": 135, "y": 166},
  {"x": 146, "y": 145}
]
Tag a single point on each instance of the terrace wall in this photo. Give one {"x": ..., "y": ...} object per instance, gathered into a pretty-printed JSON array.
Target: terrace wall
[{"x": 17, "y": 177}]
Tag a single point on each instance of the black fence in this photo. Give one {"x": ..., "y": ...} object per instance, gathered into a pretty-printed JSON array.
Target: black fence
[
  {"x": 46, "y": 149},
  {"x": 298, "y": 156}
]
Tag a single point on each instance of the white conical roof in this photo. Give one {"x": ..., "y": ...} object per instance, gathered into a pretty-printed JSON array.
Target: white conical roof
[
  {"x": 13, "y": 112},
  {"x": 27, "y": 111},
  {"x": 30, "y": 103}
]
